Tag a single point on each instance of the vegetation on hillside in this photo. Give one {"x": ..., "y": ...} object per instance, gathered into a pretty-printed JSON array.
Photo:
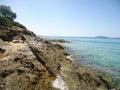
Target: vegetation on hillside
[
  {"x": 7, "y": 17},
  {"x": 5, "y": 21}
]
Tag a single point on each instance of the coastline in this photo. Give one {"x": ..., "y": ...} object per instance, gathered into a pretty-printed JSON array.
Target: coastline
[
  {"x": 85, "y": 70},
  {"x": 114, "y": 81},
  {"x": 28, "y": 62}
]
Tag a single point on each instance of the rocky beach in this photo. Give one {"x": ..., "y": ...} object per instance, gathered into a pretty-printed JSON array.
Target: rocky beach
[{"x": 31, "y": 63}]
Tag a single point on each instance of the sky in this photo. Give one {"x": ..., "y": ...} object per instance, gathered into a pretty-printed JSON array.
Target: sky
[{"x": 68, "y": 17}]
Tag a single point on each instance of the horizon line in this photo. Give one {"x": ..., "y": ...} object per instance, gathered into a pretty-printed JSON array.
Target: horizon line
[{"x": 79, "y": 36}]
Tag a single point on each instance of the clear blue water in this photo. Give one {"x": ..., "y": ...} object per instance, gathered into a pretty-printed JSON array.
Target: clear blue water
[{"x": 98, "y": 54}]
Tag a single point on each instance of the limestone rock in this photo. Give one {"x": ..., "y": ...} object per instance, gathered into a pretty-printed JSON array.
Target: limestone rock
[{"x": 30, "y": 63}]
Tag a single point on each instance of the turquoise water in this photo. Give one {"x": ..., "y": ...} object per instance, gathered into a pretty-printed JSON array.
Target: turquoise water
[
  {"x": 101, "y": 54},
  {"x": 98, "y": 54}
]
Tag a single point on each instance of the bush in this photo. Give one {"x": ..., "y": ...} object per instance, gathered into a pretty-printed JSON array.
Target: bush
[
  {"x": 19, "y": 25},
  {"x": 9, "y": 23},
  {"x": 6, "y": 22}
]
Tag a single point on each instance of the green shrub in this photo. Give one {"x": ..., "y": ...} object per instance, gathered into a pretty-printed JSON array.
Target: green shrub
[
  {"x": 6, "y": 22},
  {"x": 9, "y": 23},
  {"x": 19, "y": 25}
]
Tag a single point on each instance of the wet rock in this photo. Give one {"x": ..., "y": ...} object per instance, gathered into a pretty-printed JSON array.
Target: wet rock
[{"x": 90, "y": 79}]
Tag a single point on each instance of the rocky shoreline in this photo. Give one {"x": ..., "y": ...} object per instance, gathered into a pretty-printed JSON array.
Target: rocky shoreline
[{"x": 31, "y": 63}]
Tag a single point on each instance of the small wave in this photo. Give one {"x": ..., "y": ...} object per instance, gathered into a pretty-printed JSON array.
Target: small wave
[{"x": 60, "y": 84}]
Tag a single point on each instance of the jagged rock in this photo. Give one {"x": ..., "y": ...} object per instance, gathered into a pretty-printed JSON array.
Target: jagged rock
[
  {"x": 7, "y": 34},
  {"x": 31, "y": 63}
]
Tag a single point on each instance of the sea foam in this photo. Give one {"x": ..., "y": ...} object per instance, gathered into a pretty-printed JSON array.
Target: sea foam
[{"x": 60, "y": 84}]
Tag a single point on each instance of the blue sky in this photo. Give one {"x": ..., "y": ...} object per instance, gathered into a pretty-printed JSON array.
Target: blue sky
[{"x": 68, "y": 17}]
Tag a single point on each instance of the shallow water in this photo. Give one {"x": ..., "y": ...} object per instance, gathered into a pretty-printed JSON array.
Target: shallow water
[{"x": 96, "y": 53}]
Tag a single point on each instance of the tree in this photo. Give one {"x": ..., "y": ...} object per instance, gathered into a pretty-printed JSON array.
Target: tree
[
  {"x": 6, "y": 11},
  {"x": 7, "y": 17}
]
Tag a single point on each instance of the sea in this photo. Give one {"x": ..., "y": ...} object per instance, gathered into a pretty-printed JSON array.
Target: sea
[{"x": 102, "y": 54}]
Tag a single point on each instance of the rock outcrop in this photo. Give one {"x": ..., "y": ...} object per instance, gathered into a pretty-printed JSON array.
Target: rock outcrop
[{"x": 31, "y": 63}]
